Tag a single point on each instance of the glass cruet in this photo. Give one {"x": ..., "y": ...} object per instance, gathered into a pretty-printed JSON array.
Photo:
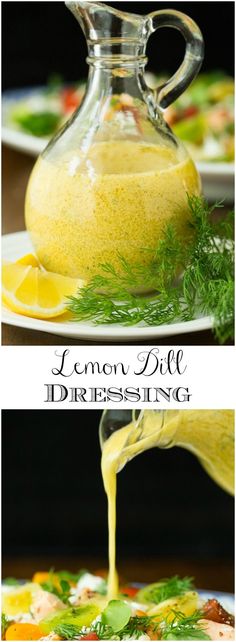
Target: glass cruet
[
  {"x": 208, "y": 434},
  {"x": 111, "y": 179}
]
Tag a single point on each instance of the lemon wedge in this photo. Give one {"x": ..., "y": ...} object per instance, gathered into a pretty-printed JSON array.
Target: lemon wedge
[
  {"x": 28, "y": 259},
  {"x": 33, "y": 292}
]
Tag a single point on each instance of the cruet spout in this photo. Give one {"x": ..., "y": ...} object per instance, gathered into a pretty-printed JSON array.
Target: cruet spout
[
  {"x": 112, "y": 33},
  {"x": 104, "y": 24}
]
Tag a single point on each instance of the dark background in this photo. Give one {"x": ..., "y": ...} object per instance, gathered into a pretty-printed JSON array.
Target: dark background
[
  {"x": 42, "y": 38},
  {"x": 54, "y": 502}
]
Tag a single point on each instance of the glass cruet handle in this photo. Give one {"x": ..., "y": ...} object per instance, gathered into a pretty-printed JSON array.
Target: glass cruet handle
[{"x": 176, "y": 85}]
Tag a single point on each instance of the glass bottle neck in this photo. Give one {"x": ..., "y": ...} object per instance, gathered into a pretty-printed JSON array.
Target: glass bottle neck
[
  {"x": 116, "y": 50},
  {"x": 116, "y": 75}
]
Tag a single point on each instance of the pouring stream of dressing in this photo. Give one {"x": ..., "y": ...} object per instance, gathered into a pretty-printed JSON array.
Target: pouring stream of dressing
[{"x": 208, "y": 434}]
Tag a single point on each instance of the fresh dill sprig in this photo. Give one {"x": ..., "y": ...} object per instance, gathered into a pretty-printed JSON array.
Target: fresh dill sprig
[
  {"x": 176, "y": 626},
  {"x": 137, "y": 626},
  {"x": 71, "y": 631},
  {"x": 206, "y": 287},
  {"x": 67, "y": 631},
  {"x": 182, "y": 627},
  {"x": 133, "y": 629},
  {"x": 170, "y": 588},
  {"x": 103, "y": 631}
]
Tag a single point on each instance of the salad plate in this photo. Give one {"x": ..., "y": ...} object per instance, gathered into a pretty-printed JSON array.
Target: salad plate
[
  {"x": 61, "y": 606},
  {"x": 18, "y": 244}
]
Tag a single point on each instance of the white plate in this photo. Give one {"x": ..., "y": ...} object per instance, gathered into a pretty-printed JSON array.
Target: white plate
[
  {"x": 227, "y": 600},
  {"x": 18, "y": 244},
  {"x": 217, "y": 181},
  {"x": 217, "y": 178}
]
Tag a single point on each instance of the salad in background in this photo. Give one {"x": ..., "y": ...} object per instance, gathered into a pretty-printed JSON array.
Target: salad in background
[{"x": 203, "y": 117}]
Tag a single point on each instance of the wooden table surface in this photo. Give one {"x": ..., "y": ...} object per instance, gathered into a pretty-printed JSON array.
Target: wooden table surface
[
  {"x": 16, "y": 170},
  {"x": 214, "y": 574}
]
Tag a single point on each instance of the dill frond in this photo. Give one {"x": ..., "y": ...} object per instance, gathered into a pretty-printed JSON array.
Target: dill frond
[{"x": 206, "y": 286}]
